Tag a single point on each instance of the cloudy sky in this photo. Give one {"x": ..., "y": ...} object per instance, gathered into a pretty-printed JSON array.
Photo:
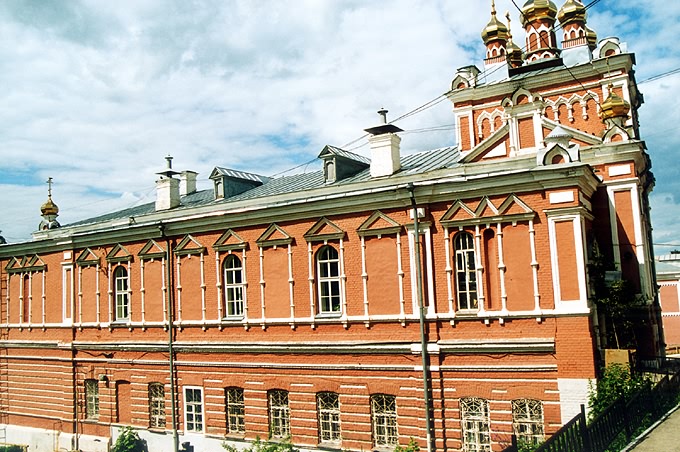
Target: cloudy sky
[{"x": 96, "y": 93}]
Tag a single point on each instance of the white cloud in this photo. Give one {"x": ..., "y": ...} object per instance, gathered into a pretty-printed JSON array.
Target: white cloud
[{"x": 95, "y": 94}]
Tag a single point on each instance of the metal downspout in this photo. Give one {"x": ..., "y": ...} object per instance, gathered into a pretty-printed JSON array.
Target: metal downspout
[
  {"x": 421, "y": 305},
  {"x": 170, "y": 288}
]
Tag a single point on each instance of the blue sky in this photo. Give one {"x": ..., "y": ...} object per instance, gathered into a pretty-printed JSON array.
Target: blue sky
[{"x": 95, "y": 93}]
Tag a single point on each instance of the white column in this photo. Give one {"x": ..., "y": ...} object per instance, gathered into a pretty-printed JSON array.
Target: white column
[
  {"x": 400, "y": 278},
  {"x": 534, "y": 266},
  {"x": 364, "y": 278},
  {"x": 449, "y": 270},
  {"x": 501, "y": 268},
  {"x": 262, "y": 305},
  {"x": 310, "y": 278},
  {"x": 218, "y": 284},
  {"x": 479, "y": 270},
  {"x": 291, "y": 283}
]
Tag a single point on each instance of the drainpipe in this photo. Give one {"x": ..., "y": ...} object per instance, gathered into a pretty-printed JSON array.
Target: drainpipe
[
  {"x": 171, "y": 352},
  {"x": 421, "y": 305}
]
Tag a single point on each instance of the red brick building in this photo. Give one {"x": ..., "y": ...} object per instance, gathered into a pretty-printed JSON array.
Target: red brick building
[{"x": 290, "y": 306}]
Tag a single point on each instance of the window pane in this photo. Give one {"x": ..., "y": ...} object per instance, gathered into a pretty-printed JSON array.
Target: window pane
[
  {"x": 279, "y": 414},
  {"x": 235, "y": 410},
  {"x": 156, "y": 405},
  {"x": 384, "y": 419}
]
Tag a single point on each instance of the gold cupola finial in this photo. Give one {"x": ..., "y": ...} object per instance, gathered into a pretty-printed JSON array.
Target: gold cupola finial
[
  {"x": 512, "y": 50},
  {"x": 614, "y": 106},
  {"x": 495, "y": 29},
  {"x": 49, "y": 210}
]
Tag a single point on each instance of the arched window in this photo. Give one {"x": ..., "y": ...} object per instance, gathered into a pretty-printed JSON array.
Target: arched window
[
  {"x": 156, "y": 405},
  {"x": 233, "y": 286},
  {"x": 466, "y": 275},
  {"x": 527, "y": 420},
  {"x": 474, "y": 414},
  {"x": 235, "y": 411},
  {"x": 328, "y": 409},
  {"x": 384, "y": 420},
  {"x": 328, "y": 280},
  {"x": 121, "y": 293},
  {"x": 279, "y": 413}
]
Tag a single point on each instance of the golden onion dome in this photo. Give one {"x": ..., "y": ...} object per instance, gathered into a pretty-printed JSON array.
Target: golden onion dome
[
  {"x": 614, "y": 106},
  {"x": 572, "y": 11},
  {"x": 49, "y": 207},
  {"x": 538, "y": 9},
  {"x": 591, "y": 37},
  {"x": 512, "y": 50},
  {"x": 495, "y": 29}
]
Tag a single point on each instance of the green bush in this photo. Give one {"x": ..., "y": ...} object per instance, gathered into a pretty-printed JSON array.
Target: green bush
[
  {"x": 129, "y": 441},
  {"x": 411, "y": 447},
  {"x": 616, "y": 381},
  {"x": 264, "y": 446},
  {"x": 13, "y": 448}
]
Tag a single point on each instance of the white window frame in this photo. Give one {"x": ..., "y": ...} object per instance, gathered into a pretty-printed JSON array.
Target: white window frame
[
  {"x": 121, "y": 293},
  {"x": 156, "y": 405},
  {"x": 328, "y": 412},
  {"x": 234, "y": 287},
  {"x": 527, "y": 420},
  {"x": 279, "y": 413},
  {"x": 467, "y": 286},
  {"x": 194, "y": 419},
  {"x": 384, "y": 421},
  {"x": 476, "y": 424},
  {"x": 91, "y": 398},
  {"x": 235, "y": 410},
  {"x": 329, "y": 284}
]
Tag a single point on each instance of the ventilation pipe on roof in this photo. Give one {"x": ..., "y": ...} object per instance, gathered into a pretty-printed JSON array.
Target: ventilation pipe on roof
[
  {"x": 187, "y": 183},
  {"x": 384, "y": 142},
  {"x": 167, "y": 188}
]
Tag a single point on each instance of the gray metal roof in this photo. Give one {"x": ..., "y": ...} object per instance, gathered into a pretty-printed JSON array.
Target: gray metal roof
[
  {"x": 347, "y": 154},
  {"x": 411, "y": 164},
  {"x": 238, "y": 174}
]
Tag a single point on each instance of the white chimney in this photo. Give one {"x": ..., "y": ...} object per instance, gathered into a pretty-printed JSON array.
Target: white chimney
[
  {"x": 167, "y": 188},
  {"x": 187, "y": 184},
  {"x": 384, "y": 143}
]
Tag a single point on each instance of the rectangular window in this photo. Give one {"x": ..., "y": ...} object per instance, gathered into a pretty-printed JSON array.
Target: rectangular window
[
  {"x": 235, "y": 411},
  {"x": 475, "y": 423},
  {"x": 328, "y": 406},
  {"x": 279, "y": 414},
  {"x": 384, "y": 420},
  {"x": 122, "y": 293},
  {"x": 328, "y": 275},
  {"x": 233, "y": 286},
  {"x": 466, "y": 274},
  {"x": 527, "y": 420},
  {"x": 193, "y": 409},
  {"x": 91, "y": 399},
  {"x": 156, "y": 405}
]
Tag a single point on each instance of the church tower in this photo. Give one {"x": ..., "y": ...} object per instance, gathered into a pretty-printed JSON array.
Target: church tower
[{"x": 538, "y": 19}]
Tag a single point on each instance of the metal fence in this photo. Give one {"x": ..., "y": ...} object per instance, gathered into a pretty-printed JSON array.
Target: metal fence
[{"x": 621, "y": 417}]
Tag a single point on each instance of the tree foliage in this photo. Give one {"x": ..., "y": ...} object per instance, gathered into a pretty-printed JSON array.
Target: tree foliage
[
  {"x": 129, "y": 441},
  {"x": 616, "y": 301},
  {"x": 264, "y": 446},
  {"x": 616, "y": 381},
  {"x": 411, "y": 447}
]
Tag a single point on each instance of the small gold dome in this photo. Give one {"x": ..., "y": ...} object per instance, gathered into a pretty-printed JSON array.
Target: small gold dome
[
  {"x": 49, "y": 208},
  {"x": 591, "y": 37},
  {"x": 514, "y": 54},
  {"x": 495, "y": 29},
  {"x": 614, "y": 106},
  {"x": 537, "y": 9},
  {"x": 572, "y": 11}
]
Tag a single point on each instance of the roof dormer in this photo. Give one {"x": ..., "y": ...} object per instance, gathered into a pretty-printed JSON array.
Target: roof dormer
[
  {"x": 229, "y": 182},
  {"x": 339, "y": 164}
]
